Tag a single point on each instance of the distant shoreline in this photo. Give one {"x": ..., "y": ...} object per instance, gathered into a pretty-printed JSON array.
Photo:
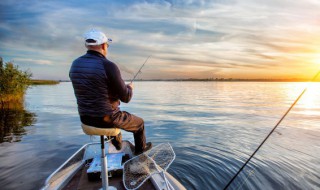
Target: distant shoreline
[
  {"x": 187, "y": 80},
  {"x": 44, "y": 82},
  {"x": 230, "y": 80}
]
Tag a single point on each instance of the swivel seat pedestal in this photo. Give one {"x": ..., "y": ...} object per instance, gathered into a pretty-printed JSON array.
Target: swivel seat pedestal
[{"x": 90, "y": 130}]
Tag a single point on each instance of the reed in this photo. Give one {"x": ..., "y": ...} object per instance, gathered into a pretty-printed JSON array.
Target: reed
[{"x": 13, "y": 83}]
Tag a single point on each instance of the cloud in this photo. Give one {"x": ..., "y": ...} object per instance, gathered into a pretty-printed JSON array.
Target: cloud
[
  {"x": 33, "y": 61},
  {"x": 180, "y": 35}
]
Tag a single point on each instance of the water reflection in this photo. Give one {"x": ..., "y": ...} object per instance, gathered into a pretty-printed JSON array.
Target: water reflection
[{"x": 13, "y": 120}]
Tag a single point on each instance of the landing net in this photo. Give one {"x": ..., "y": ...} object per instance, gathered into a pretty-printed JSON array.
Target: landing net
[{"x": 140, "y": 168}]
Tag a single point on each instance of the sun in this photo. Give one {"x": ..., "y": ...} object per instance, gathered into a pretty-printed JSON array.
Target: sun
[{"x": 310, "y": 100}]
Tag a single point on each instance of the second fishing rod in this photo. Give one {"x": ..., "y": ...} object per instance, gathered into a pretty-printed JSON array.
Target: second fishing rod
[{"x": 273, "y": 129}]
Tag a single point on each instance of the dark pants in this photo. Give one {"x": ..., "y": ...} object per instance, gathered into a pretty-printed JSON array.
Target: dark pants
[{"x": 122, "y": 120}]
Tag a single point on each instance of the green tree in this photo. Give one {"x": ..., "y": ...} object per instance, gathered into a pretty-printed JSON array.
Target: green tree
[
  {"x": 13, "y": 82},
  {"x": 1, "y": 66}
]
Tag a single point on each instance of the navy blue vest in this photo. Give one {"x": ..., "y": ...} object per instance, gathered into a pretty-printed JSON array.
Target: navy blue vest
[{"x": 97, "y": 85}]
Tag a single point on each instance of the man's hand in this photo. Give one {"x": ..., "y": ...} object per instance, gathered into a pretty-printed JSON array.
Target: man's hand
[{"x": 130, "y": 85}]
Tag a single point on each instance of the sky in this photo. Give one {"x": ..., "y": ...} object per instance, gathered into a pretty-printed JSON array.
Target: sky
[{"x": 185, "y": 38}]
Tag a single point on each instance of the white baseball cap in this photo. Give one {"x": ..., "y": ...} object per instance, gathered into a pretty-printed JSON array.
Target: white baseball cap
[{"x": 96, "y": 37}]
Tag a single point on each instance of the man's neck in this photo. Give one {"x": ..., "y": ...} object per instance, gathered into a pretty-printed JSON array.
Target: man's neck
[{"x": 95, "y": 52}]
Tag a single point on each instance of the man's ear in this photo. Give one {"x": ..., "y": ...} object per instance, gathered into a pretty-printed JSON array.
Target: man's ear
[{"x": 103, "y": 46}]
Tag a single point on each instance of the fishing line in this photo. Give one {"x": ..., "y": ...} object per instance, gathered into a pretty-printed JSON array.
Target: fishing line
[
  {"x": 139, "y": 71},
  {"x": 245, "y": 180},
  {"x": 294, "y": 103}
]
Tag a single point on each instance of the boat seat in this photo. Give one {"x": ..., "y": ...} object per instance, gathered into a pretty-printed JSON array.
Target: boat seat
[{"x": 90, "y": 130}]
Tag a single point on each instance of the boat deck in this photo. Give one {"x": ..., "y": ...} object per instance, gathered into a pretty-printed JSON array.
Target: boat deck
[
  {"x": 72, "y": 174},
  {"x": 80, "y": 182}
]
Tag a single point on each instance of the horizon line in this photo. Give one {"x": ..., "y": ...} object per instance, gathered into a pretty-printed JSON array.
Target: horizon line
[{"x": 211, "y": 79}]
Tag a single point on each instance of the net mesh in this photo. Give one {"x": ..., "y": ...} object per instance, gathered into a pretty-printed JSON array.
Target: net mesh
[{"x": 138, "y": 169}]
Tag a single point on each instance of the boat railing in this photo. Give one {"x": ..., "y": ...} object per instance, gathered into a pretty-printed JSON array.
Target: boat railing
[{"x": 64, "y": 173}]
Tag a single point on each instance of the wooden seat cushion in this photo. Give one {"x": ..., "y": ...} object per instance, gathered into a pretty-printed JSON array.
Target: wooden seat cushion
[{"x": 90, "y": 130}]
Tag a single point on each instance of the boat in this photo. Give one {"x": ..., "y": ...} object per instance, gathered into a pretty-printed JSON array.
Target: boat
[{"x": 125, "y": 170}]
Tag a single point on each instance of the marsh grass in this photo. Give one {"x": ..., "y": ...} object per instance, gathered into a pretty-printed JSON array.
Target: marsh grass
[
  {"x": 13, "y": 84},
  {"x": 44, "y": 82}
]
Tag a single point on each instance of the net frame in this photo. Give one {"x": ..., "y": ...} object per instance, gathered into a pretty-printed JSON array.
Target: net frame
[{"x": 154, "y": 161}]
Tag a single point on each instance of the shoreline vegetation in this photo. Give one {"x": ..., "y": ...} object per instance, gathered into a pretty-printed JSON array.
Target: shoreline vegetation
[
  {"x": 13, "y": 85},
  {"x": 43, "y": 82},
  {"x": 13, "y": 116}
]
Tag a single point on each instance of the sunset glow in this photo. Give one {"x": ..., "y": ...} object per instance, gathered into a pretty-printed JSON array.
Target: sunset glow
[{"x": 317, "y": 60}]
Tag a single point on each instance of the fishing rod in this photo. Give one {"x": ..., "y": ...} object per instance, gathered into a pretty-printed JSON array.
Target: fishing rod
[
  {"x": 139, "y": 71},
  {"x": 286, "y": 113}
]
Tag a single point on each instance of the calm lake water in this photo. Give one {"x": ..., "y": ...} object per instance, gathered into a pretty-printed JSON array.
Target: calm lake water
[{"x": 213, "y": 128}]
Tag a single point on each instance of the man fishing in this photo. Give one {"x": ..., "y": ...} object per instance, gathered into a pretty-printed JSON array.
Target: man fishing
[{"x": 99, "y": 89}]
